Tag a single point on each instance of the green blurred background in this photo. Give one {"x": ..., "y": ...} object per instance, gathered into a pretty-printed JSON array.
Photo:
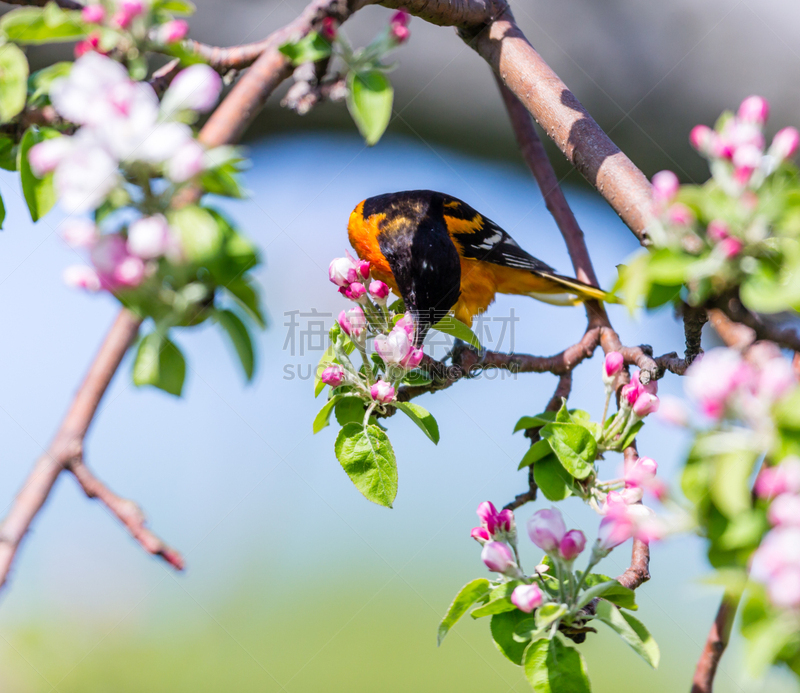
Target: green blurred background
[{"x": 294, "y": 581}]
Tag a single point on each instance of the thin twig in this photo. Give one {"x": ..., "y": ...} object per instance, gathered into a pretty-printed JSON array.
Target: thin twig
[
  {"x": 734, "y": 334},
  {"x": 639, "y": 570},
  {"x": 717, "y": 641}
]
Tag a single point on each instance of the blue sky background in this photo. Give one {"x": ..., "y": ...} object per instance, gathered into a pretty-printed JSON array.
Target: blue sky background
[{"x": 294, "y": 581}]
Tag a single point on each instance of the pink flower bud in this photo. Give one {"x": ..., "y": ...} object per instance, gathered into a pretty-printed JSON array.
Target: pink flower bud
[
  {"x": 665, "y": 187},
  {"x": 641, "y": 473},
  {"x": 645, "y": 404},
  {"x": 333, "y": 376},
  {"x": 393, "y": 348},
  {"x": 47, "y": 155},
  {"x": 382, "y": 392},
  {"x": 730, "y": 247},
  {"x": 785, "y": 143},
  {"x": 363, "y": 268},
  {"x": 400, "y": 33},
  {"x": 81, "y": 277},
  {"x": 754, "y": 109},
  {"x": 775, "y": 379},
  {"x": 546, "y": 529},
  {"x": 498, "y": 558},
  {"x": 196, "y": 88},
  {"x": 784, "y": 588},
  {"x": 480, "y": 534},
  {"x": 79, "y": 233},
  {"x": 329, "y": 27},
  {"x": 785, "y": 510},
  {"x": 715, "y": 376},
  {"x": 783, "y": 478},
  {"x": 353, "y": 322},
  {"x": 343, "y": 271},
  {"x": 613, "y": 531},
  {"x": 355, "y": 291},
  {"x": 572, "y": 544},
  {"x": 186, "y": 162},
  {"x": 406, "y": 323},
  {"x": 613, "y": 364},
  {"x": 631, "y": 392},
  {"x": 717, "y": 231},
  {"x": 702, "y": 138},
  {"x": 527, "y": 597},
  {"x": 413, "y": 358},
  {"x": 487, "y": 514},
  {"x": 173, "y": 31},
  {"x": 651, "y": 386},
  {"x": 93, "y": 14},
  {"x": 679, "y": 214},
  {"x": 379, "y": 290},
  {"x": 505, "y": 520}
]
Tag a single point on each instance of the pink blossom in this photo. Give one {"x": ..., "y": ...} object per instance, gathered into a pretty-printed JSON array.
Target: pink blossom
[
  {"x": 631, "y": 392},
  {"x": 754, "y": 109},
  {"x": 196, "y": 88},
  {"x": 379, "y": 290},
  {"x": 398, "y": 26},
  {"x": 505, "y": 521},
  {"x": 645, "y": 404},
  {"x": 343, "y": 271},
  {"x": 149, "y": 237},
  {"x": 333, "y": 376},
  {"x": 651, "y": 386},
  {"x": 784, "y": 588},
  {"x": 354, "y": 291},
  {"x": 84, "y": 177},
  {"x": 394, "y": 347},
  {"x": 173, "y": 31},
  {"x": 81, "y": 277},
  {"x": 673, "y": 411},
  {"x": 546, "y": 529},
  {"x": 785, "y": 143},
  {"x": 641, "y": 472},
  {"x": 527, "y": 597},
  {"x": 572, "y": 545},
  {"x": 363, "y": 268},
  {"x": 498, "y": 558},
  {"x": 777, "y": 563},
  {"x": 613, "y": 364},
  {"x": 47, "y": 155},
  {"x": 487, "y": 513},
  {"x": 703, "y": 139},
  {"x": 93, "y": 14},
  {"x": 480, "y": 534},
  {"x": 665, "y": 187},
  {"x": 679, "y": 214},
  {"x": 91, "y": 43},
  {"x": 407, "y": 323},
  {"x": 714, "y": 377},
  {"x": 783, "y": 478},
  {"x": 382, "y": 392},
  {"x": 79, "y": 233},
  {"x": 186, "y": 162},
  {"x": 625, "y": 521},
  {"x": 130, "y": 272},
  {"x": 775, "y": 378},
  {"x": 329, "y": 27},
  {"x": 731, "y": 247},
  {"x": 717, "y": 231},
  {"x": 785, "y": 510},
  {"x": 353, "y": 323}
]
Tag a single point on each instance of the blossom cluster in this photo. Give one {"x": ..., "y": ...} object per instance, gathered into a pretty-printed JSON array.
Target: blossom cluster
[
  {"x": 776, "y": 562},
  {"x": 394, "y": 334}
]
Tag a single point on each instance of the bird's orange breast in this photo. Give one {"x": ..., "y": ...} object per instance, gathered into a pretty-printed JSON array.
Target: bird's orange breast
[{"x": 363, "y": 234}]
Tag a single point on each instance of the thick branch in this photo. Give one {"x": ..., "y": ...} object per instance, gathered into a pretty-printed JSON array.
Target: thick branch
[
  {"x": 734, "y": 334},
  {"x": 67, "y": 446},
  {"x": 717, "y": 641},
  {"x": 786, "y": 337},
  {"x": 63, "y": 4}
]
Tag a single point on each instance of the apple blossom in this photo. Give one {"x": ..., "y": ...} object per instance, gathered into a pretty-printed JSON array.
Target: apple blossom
[
  {"x": 173, "y": 31},
  {"x": 382, "y": 392},
  {"x": 612, "y": 365},
  {"x": 546, "y": 529},
  {"x": 783, "y": 478},
  {"x": 343, "y": 271},
  {"x": 186, "y": 161},
  {"x": 497, "y": 557},
  {"x": 379, "y": 290},
  {"x": 84, "y": 178},
  {"x": 93, "y": 14},
  {"x": 572, "y": 545},
  {"x": 354, "y": 323},
  {"x": 149, "y": 237},
  {"x": 645, "y": 404},
  {"x": 673, "y": 411},
  {"x": 480, "y": 534},
  {"x": 754, "y": 109},
  {"x": 82, "y": 277},
  {"x": 713, "y": 378},
  {"x": 354, "y": 291},
  {"x": 785, "y": 510},
  {"x": 527, "y": 597},
  {"x": 196, "y": 88},
  {"x": 665, "y": 187},
  {"x": 329, "y": 27},
  {"x": 785, "y": 144},
  {"x": 333, "y": 376},
  {"x": 717, "y": 231},
  {"x": 47, "y": 155},
  {"x": 398, "y": 26}
]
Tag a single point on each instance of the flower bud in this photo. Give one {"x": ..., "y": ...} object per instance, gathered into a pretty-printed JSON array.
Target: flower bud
[
  {"x": 173, "y": 31},
  {"x": 702, "y": 138},
  {"x": 379, "y": 290},
  {"x": 196, "y": 88},
  {"x": 81, "y": 277},
  {"x": 612, "y": 365},
  {"x": 730, "y": 247},
  {"x": 572, "y": 544},
  {"x": 645, "y": 404},
  {"x": 487, "y": 514},
  {"x": 355, "y": 291},
  {"x": 382, "y": 392},
  {"x": 612, "y": 532},
  {"x": 353, "y": 323},
  {"x": 505, "y": 521},
  {"x": 398, "y": 26},
  {"x": 394, "y": 348},
  {"x": 129, "y": 272},
  {"x": 546, "y": 529},
  {"x": 363, "y": 268},
  {"x": 93, "y": 14},
  {"x": 717, "y": 231},
  {"x": 785, "y": 143},
  {"x": 498, "y": 558},
  {"x": 631, "y": 392},
  {"x": 480, "y": 534},
  {"x": 342, "y": 271},
  {"x": 333, "y": 376},
  {"x": 754, "y": 109},
  {"x": 527, "y": 597},
  {"x": 651, "y": 386},
  {"x": 407, "y": 324},
  {"x": 679, "y": 214},
  {"x": 665, "y": 187},
  {"x": 329, "y": 28}
]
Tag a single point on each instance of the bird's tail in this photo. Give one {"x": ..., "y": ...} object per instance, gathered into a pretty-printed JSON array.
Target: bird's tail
[{"x": 575, "y": 291}]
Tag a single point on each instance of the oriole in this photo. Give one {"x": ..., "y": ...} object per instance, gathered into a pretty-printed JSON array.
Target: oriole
[{"x": 440, "y": 254}]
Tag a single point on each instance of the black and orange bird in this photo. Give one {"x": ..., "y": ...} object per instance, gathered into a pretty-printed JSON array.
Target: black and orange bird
[{"x": 441, "y": 255}]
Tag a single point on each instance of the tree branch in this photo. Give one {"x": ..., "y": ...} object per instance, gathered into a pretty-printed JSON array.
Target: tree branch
[
  {"x": 734, "y": 334},
  {"x": 786, "y": 337},
  {"x": 639, "y": 570},
  {"x": 717, "y": 641},
  {"x": 63, "y": 4}
]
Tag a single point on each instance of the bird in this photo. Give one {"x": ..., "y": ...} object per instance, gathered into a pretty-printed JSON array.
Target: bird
[{"x": 441, "y": 256}]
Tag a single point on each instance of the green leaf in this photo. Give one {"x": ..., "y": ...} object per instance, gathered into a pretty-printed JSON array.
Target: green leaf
[
  {"x": 422, "y": 417},
  {"x": 322, "y": 419},
  {"x": 247, "y": 296},
  {"x": 469, "y": 594},
  {"x": 367, "y": 457},
  {"x": 527, "y": 630},
  {"x": 13, "y": 81},
  {"x": 730, "y": 483},
  {"x": 201, "y": 236},
  {"x": 503, "y": 627},
  {"x": 551, "y": 477},
  {"x": 176, "y": 7},
  {"x": 35, "y": 25},
  {"x": 574, "y": 445},
  {"x": 160, "y": 363},
  {"x": 309, "y": 49},
  {"x": 548, "y": 613},
  {"x": 350, "y": 410},
  {"x": 39, "y": 193},
  {"x": 552, "y": 667},
  {"x": 455, "y": 328},
  {"x": 594, "y": 592},
  {"x": 8, "y": 154},
  {"x": 537, "y": 421},
  {"x": 540, "y": 449},
  {"x": 240, "y": 338},
  {"x": 669, "y": 267},
  {"x": 41, "y": 80},
  {"x": 619, "y": 595},
  {"x": 2, "y": 213},
  {"x": 369, "y": 100},
  {"x": 499, "y": 600},
  {"x": 631, "y": 631}
]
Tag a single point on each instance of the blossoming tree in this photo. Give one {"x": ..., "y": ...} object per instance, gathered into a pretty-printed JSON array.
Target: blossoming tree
[{"x": 113, "y": 144}]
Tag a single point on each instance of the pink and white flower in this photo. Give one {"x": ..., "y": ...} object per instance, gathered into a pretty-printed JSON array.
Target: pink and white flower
[
  {"x": 498, "y": 558},
  {"x": 382, "y": 392},
  {"x": 196, "y": 88},
  {"x": 546, "y": 529},
  {"x": 527, "y": 597}
]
